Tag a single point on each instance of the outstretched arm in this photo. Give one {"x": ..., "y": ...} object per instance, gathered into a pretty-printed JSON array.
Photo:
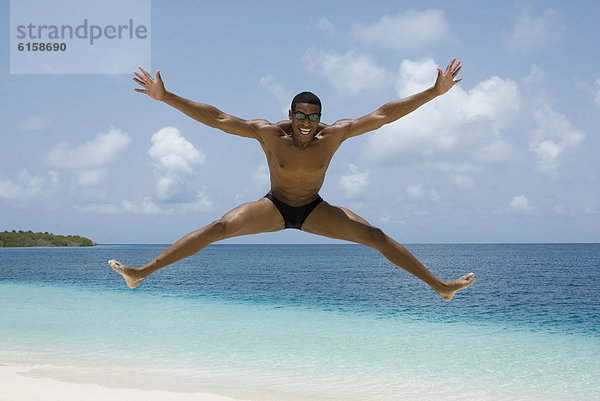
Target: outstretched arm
[
  {"x": 205, "y": 113},
  {"x": 396, "y": 109}
]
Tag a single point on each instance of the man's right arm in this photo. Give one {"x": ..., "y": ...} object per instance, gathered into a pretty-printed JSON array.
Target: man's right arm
[
  {"x": 204, "y": 113},
  {"x": 213, "y": 117}
]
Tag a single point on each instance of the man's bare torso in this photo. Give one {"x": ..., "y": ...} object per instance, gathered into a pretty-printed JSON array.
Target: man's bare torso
[{"x": 297, "y": 173}]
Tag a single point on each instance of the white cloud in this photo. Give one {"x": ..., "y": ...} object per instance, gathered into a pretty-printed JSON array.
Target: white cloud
[
  {"x": 33, "y": 123},
  {"x": 27, "y": 186},
  {"x": 384, "y": 219},
  {"x": 54, "y": 176},
  {"x": 419, "y": 192},
  {"x": 494, "y": 152},
  {"x": 452, "y": 167},
  {"x": 350, "y": 72},
  {"x": 463, "y": 181},
  {"x": 405, "y": 31},
  {"x": 101, "y": 151},
  {"x": 354, "y": 183},
  {"x": 176, "y": 190},
  {"x": 491, "y": 101},
  {"x": 279, "y": 91},
  {"x": 261, "y": 176},
  {"x": 415, "y": 76},
  {"x": 416, "y": 191},
  {"x": 324, "y": 25},
  {"x": 553, "y": 134},
  {"x": 175, "y": 160},
  {"x": 553, "y": 137},
  {"x": 597, "y": 92},
  {"x": 533, "y": 32},
  {"x": 174, "y": 153},
  {"x": 166, "y": 186},
  {"x": 275, "y": 88},
  {"x": 389, "y": 219},
  {"x": 87, "y": 161},
  {"x": 520, "y": 203},
  {"x": 458, "y": 132},
  {"x": 147, "y": 206},
  {"x": 90, "y": 178},
  {"x": 200, "y": 203},
  {"x": 536, "y": 76}
]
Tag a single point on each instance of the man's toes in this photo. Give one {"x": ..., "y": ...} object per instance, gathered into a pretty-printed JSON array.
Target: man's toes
[{"x": 116, "y": 266}]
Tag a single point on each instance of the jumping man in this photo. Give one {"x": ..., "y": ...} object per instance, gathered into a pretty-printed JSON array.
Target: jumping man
[{"x": 298, "y": 153}]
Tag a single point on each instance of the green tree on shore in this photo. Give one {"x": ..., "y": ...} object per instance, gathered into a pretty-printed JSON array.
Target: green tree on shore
[{"x": 30, "y": 239}]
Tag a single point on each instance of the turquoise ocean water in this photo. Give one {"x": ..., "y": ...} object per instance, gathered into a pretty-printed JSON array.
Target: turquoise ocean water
[{"x": 311, "y": 322}]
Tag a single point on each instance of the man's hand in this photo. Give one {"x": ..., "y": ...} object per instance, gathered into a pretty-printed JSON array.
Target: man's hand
[
  {"x": 152, "y": 87},
  {"x": 445, "y": 80}
]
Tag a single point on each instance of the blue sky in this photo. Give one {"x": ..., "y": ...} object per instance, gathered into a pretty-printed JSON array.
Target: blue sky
[{"x": 509, "y": 155}]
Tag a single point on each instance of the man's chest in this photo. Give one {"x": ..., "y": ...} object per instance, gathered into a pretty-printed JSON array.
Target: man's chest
[{"x": 288, "y": 158}]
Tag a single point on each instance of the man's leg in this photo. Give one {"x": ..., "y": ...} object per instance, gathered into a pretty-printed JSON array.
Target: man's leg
[
  {"x": 340, "y": 223},
  {"x": 249, "y": 218}
]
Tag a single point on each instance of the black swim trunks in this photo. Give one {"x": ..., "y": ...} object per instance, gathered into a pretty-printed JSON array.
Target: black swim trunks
[{"x": 294, "y": 216}]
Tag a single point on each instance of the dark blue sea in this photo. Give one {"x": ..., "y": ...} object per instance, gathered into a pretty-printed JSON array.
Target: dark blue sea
[{"x": 313, "y": 321}]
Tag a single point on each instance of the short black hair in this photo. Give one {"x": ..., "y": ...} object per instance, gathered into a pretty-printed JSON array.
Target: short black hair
[{"x": 306, "y": 97}]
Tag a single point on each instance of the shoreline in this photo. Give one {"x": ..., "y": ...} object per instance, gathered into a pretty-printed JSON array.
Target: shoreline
[
  {"x": 88, "y": 383},
  {"x": 83, "y": 382},
  {"x": 18, "y": 384}
]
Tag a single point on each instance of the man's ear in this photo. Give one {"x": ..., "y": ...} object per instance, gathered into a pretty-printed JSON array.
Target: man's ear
[{"x": 290, "y": 114}]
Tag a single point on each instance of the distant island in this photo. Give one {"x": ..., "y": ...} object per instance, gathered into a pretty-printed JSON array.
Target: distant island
[{"x": 28, "y": 239}]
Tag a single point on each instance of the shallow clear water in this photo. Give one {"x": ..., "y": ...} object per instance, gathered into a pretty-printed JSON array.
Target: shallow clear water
[{"x": 312, "y": 321}]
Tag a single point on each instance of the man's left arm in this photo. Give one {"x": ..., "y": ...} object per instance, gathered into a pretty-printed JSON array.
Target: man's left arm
[{"x": 396, "y": 109}]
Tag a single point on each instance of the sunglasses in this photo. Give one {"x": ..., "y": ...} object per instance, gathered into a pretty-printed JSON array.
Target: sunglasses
[{"x": 301, "y": 116}]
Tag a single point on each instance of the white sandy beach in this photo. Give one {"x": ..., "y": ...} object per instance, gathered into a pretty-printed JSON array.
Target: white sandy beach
[{"x": 16, "y": 386}]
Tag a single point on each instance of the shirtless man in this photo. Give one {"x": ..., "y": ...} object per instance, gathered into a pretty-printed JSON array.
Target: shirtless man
[{"x": 298, "y": 153}]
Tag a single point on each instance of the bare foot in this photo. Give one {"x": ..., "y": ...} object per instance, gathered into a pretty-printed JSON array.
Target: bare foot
[
  {"x": 452, "y": 286},
  {"x": 129, "y": 273}
]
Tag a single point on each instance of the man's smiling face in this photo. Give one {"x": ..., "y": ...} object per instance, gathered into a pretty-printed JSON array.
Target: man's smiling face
[{"x": 303, "y": 128}]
